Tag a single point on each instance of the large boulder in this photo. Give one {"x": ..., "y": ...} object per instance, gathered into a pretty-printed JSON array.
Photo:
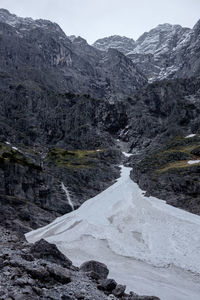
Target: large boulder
[
  {"x": 96, "y": 267},
  {"x": 59, "y": 274},
  {"x": 44, "y": 250},
  {"x": 107, "y": 285},
  {"x": 119, "y": 290}
]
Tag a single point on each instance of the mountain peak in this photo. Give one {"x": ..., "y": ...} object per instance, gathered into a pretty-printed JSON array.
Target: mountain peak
[
  {"x": 196, "y": 28},
  {"x": 166, "y": 26},
  {"x": 26, "y": 24},
  {"x": 160, "y": 39},
  {"x": 4, "y": 11},
  {"x": 13, "y": 20},
  {"x": 121, "y": 43}
]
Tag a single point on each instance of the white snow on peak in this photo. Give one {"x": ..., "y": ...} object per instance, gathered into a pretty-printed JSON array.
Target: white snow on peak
[
  {"x": 190, "y": 135},
  {"x": 147, "y": 244},
  {"x": 14, "y": 20},
  {"x": 24, "y": 24},
  {"x": 192, "y": 162},
  {"x": 160, "y": 39}
]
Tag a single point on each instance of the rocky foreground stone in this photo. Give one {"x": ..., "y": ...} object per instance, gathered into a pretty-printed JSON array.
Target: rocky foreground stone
[{"x": 41, "y": 271}]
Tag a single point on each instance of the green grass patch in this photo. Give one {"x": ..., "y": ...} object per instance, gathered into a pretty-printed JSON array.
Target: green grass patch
[
  {"x": 174, "y": 155},
  {"x": 177, "y": 165},
  {"x": 73, "y": 158},
  {"x": 9, "y": 155}
]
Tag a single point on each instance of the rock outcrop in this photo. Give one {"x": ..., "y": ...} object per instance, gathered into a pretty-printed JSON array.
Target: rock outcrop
[
  {"x": 121, "y": 43},
  {"x": 40, "y": 271},
  {"x": 172, "y": 173},
  {"x": 38, "y": 52},
  {"x": 166, "y": 51},
  {"x": 96, "y": 267}
]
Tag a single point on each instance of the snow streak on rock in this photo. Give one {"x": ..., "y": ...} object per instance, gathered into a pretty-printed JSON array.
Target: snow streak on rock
[
  {"x": 190, "y": 135},
  {"x": 192, "y": 162},
  {"x": 68, "y": 195}
]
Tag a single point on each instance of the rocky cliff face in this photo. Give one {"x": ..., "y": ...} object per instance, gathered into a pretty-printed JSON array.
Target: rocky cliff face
[
  {"x": 45, "y": 142},
  {"x": 121, "y": 43},
  {"x": 167, "y": 51},
  {"x": 39, "y": 51},
  {"x": 172, "y": 172},
  {"x": 48, "y": 83},
  {"x": 66, "y": 111},
  {"x": 163, "y": 134},
  {"x": 162, "y": 110},
  {"x": 71, "y": 137}
]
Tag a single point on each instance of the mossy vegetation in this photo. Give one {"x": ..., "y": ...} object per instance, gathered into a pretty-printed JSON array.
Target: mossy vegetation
[
  {"x": 13, "y": 156},
  {"x": 177, "y": 153},
  {"x": 177, "y": 165},
  {"x": 73, "y": 158},
  {"x": 4, "y": 75},
  {"x": 181, "y": 142},
  {"x": 173, "y": 156}
]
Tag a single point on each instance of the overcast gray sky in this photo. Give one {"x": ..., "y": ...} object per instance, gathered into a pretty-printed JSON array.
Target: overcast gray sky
[{"x": 93, "y": 19}]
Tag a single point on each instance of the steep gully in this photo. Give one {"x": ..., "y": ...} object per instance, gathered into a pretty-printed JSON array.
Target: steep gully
[{"x": 148, "y": 245}]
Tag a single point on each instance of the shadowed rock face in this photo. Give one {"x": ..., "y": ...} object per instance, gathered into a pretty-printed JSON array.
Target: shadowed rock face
[
  {"x": 40, "y": 52},
  {"x": 161, "y": 111},
  {"x": 162, "y": 116},
  {"x": 96, "y": 267},
  {"x": 31, "y": 190},
  {"x": 45, "y": 126}
]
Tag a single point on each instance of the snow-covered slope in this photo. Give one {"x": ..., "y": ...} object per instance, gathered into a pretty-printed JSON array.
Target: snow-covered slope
[{"x": 146, "y": 243}]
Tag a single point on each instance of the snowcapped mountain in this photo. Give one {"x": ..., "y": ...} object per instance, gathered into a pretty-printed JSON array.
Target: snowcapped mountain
[
  {"x": 160, "y": 40},
  {"x": 121, "y": 43},
  {"x": 27, "y": 24},
  {"x": 167, "y": 51}
]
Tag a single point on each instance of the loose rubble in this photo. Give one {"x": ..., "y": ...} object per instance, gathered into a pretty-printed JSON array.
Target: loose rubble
[{"x": 41, "y": 271}]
